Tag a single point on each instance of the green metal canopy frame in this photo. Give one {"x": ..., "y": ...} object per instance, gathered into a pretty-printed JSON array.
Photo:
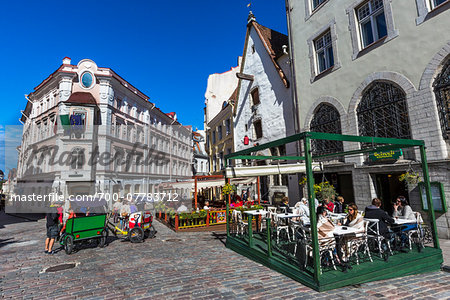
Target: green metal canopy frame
[{"x": 378, "y": 144}]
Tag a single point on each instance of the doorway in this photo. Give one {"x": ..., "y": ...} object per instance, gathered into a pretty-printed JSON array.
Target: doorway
[{"x": 388, "y": 188}]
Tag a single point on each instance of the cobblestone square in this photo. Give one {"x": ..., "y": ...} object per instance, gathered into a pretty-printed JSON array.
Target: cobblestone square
[{"x": 169, "y": 266}]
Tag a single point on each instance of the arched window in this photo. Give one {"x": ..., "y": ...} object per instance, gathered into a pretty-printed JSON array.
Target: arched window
[
  {"x": 326, "y": 119},
  {"x": 383, "y": 112},
  {"x": 442, "y": 91}
]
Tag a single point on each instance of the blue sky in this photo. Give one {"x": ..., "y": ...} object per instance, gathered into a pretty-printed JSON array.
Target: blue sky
[{"x": 166, "y": 49}]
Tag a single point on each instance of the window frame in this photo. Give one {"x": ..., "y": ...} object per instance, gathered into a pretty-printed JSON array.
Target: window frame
[
  {"x": 315, "y": 74},
  {"x": 372, "y": 17},
  {"x": 355, "y": 30},
  {"x": 324, "y": 50},
  {"x": 252, "y": 92},
  {"x": 256, "y": 131},
  {"x": 310, "y": 9},
  {"x": 427, "y": 9}
]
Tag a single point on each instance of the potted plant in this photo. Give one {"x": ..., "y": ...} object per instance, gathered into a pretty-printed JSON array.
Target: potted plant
[
  {"x": 324, "y": 190},
  {"x": 410, "y": 177}
]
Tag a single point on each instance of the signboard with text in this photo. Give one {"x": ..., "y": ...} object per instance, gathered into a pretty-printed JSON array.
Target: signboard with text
[{"x": 385, "y": 155}]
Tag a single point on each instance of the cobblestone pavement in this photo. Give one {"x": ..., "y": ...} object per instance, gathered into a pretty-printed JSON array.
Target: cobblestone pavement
[{"x": 170, "y": 266}]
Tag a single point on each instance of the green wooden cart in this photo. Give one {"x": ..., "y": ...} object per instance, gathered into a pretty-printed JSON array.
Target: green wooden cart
[{"x": 84, "y": 228}]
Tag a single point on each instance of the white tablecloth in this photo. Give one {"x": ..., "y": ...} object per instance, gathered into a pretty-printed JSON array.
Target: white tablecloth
[
  {"x": 255, "y": 213},
  {"x": 339, "y": 230},
  {"x": 403, "y": 221},
  {"x": 289, "y": 215}
]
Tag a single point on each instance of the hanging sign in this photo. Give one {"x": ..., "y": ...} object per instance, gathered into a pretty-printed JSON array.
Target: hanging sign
[{"x": 385, "y": 155}]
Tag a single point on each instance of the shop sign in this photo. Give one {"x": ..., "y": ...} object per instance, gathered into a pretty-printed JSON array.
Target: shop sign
[{"x": 385, "y": 155}]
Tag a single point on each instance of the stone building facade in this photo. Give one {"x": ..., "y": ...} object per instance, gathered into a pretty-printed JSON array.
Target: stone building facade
[
  {"x": 375, "y": 67},
  {"x": 118, "y": 142}
]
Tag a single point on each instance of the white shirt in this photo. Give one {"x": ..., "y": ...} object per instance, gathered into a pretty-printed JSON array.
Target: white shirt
[{"x": 205, "y": 207}]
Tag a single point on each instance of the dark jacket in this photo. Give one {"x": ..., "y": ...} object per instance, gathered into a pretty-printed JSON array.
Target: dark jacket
[
  {"x": 373, "y": 212},
  {"x": 52, "y": 217},
  {"x": 338, "y": 207}
]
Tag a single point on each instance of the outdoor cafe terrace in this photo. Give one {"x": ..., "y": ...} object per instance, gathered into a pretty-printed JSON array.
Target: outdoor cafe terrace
[{"x": 289, "y": 243}]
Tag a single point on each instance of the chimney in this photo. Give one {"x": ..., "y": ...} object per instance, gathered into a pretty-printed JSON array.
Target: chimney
[{"x": 66, "y": 60}]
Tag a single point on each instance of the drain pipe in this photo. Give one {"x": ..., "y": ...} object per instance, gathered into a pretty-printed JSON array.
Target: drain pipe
[{"x": 294, "y": 94}]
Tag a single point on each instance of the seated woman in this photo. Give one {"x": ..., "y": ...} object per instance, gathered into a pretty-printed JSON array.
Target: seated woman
[
  {"x": 324, "y": 226},
  {"x": 350, "y": 244},
  {"x": 403, "y": 211},
  {"x": 354, "y": 219},
  {"x": 326, "y": 238}
]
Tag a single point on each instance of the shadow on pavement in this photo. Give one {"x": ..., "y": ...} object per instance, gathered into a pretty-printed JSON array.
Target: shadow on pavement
[
  {"x": 222, "y": 237},
  {"x": 6, "y": 219},
  {"x": 5, "y": 242}
]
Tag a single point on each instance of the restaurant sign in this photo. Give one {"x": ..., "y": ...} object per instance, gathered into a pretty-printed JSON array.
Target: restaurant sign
[{"x": 385, "y": 155}]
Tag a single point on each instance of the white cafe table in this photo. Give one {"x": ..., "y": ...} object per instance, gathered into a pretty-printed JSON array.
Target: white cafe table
[
  {"x": 255, "y": 212},
  {"x": 339, "y": 230},
  {"x": 404, "y": 221},
  {"x": 286, "y": 216}
]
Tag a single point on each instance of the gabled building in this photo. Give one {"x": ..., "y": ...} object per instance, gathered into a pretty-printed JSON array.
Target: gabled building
[
  {"x": 263, "y": 110},
  {"x": 201, "y": 162}
]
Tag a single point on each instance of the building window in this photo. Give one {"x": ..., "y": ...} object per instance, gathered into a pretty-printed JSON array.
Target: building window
[
  {"x": 436, "y": 3},
  {"x": 441, "y": 88},
  {"x": 221, "y": 160},
  {"x": 326, "y": 119},
  {"x": 324, "y": 52},
  {"x": 228, "y": 126},
  {"x": 214, "y": 137},
  {"x": 383, "y": 112},
  {"x": 255, "y": 97},
  {"x": 430, "y": 8},
  {"x": 316, "y": 3},
  {"x": 219, "y": 131},
  {"x": 77, "y": 158},
  {"x": 258, "y": 129},
  {"x": 372, "y": 22}
]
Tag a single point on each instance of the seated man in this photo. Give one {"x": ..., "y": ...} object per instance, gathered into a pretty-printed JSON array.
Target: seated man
[{"x": 374, "y": 211}]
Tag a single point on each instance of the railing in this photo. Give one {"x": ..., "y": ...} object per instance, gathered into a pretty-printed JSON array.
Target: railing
[{"x": 180, "y": 221}]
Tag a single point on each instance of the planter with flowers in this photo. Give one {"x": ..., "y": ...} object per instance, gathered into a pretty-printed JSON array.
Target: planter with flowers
[{"x": 410, "y": 177}]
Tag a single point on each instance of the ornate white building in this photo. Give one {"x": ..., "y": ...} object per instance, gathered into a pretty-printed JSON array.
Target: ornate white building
[{"x": 87, "y": 130}]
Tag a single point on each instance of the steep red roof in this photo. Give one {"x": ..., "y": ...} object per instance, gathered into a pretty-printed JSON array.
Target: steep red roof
[
  {"x": 81, "y": 98},
  {"x": 274, "y": 42}
]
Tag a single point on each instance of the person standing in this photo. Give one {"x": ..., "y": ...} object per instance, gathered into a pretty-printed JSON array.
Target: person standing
[{"x": 52, "y": 229}]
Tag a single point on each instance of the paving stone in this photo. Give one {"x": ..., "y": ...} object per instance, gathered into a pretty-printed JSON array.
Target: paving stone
[{"x": 196, "y": 267}]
